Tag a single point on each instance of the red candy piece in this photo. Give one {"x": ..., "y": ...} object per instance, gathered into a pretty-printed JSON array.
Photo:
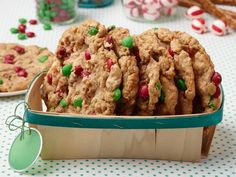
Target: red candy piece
[
  {"x": 87, "y": 55},
  {"x": 85, "y": 73},
  {"x": 216, "y": 78},
  {"x": 19, "y": 50},
  {"x": 143, "y": 91},
  {"x": 61, "y": 53},
  {"x": 171, "y": 52},
  {"x": 9, "y": 59},
  {"x": 18, "y": 69},
  {"x": 110, "y": 40},
  {"x": 109, "y": 64},
  {"x": 30, "y": 34},
  {"x": 218, "y": 92},
  {"x": 78, "y": 70},
  {"x": 22, "y": 28},
  {"x": 49, "y": 78},
  {"x": 33, "y": 22},
  {"x": 22, "y": 73}
]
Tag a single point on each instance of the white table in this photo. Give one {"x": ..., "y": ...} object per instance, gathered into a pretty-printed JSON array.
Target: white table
[{"x": 222, "y": 158}]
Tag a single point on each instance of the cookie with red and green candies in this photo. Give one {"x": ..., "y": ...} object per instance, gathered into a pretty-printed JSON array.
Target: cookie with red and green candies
[{"x": 20, "y": 64}]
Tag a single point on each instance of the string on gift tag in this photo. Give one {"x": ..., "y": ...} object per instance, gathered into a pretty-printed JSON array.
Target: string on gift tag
[{"x": 11, "y": 121}]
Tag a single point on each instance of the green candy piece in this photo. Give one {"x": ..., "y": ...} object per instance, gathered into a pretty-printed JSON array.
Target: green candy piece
[
  {"x": 66, "y": 70},
  {"x": 93, "y": 31},
  {"x": 181, "y": 84},
  {"x": 117, "y": 94},
  {"x": 78, "y": 102},
  {"x": 1, "y": 82},
  {"x": 159, "y": 86},
  {"x": 21, "y": 36},
  {"x": 127, "y": 42},
  {"x": 110, "y": 28},
  {"x": 212, "y": 105},
  {"x": 43, "y": 58},
  {"x": 47, "y": 27},
  {"x": 162, "y": 97},
  {"x": 14, "y": 30},
  {"x": 63, "y": 103},
  {"x": 22, "y": 21}
]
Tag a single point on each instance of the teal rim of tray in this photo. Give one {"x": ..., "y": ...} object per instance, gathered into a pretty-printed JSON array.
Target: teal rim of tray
[
  {"x": 123, "y": 122},
  {"x": 94, "y": 5}
]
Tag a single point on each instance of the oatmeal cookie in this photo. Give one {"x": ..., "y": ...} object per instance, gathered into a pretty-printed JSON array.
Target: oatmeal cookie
[{"x": 20, "y": 64}]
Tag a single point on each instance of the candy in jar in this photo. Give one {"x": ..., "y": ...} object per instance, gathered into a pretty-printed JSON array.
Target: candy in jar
[
  {"x": 56, "y": 11},
  {"x": 94, "y": 3}
]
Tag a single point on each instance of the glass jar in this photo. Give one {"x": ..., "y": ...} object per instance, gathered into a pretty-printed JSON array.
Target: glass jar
[
  {"x": 148, "y": 10},
  {"x": 56, "y": 11},
  {"x": 93, "y": 3}
]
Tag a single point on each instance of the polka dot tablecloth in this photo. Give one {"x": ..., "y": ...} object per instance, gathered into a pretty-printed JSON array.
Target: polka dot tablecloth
[{"x": 222, "y": 158}]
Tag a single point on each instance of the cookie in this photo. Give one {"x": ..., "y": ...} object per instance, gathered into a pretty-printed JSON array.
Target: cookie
[
  {"x": 20, "y": 64},
  {"x": 88, "y": 34},
  {"x": 121, "y": 42}
]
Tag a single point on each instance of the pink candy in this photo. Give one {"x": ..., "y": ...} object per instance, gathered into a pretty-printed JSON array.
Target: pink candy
[
  {"x": 219, "y": 28},
  {"x": 194, "y": 12},
  {"x": 199, "y": 25},
  {"x": 149, "y": 9}
]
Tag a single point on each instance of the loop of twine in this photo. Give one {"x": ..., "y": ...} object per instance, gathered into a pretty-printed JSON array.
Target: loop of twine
[{"x": 10, "y": 121}]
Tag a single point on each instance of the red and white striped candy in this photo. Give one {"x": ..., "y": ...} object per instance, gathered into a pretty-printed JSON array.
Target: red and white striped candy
[
  {"x": 199, "y": 25},
  {"x": 169, "y": 3},
  {"x": 132, "y": 12},
  {"x": 194, "y": 12},
  {"x": 219, "y": 28},
  {"x": 151, "y": 16},
  {"x": 169, "y": 11}
]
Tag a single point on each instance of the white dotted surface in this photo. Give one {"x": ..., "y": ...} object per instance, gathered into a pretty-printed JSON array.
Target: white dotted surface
[{"x": 222, "y": 158}]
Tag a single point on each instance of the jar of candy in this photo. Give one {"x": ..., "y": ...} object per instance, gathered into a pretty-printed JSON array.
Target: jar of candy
[
  {"x": 94, "y": 3},
  {"x": 149, "y": 10},
  {"x": 56, "y": 11}
]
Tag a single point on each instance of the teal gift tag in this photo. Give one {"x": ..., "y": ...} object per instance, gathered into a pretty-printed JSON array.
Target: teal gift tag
[{"x": 25, "y": 150}]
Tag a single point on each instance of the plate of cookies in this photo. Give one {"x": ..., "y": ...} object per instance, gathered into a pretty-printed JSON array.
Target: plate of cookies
[
  {"x": 19, "y": 65},
  {"x": 105, "y": 80}
]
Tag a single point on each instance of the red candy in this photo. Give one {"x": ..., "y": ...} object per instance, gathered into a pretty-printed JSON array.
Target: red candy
[
  {"x": 87, "y": 55},
  {"x": 109, "y": 64},
  {"x": 216, "y": 78},
  {"x": 171, "y": 52},
  {"x": 9, "y": 59},
  {"x": 22, "y": 28},
  {"x": 19, "y": 50},
  {"x": 61, "y": 53},
  {"x": 49, "y": 78},
  {"x": 143, "y": 91},
  {"x": 78, "y": 70},
  {"x": 18, "y": 69},
  {"x": 30, "y": 34},
  {"x": 33, "y": 22},
  {"x": 217, "y": 93},
  {"x": 22, "y": 73}
]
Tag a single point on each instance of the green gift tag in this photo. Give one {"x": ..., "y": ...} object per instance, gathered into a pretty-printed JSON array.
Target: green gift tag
[{"x": 25, "y": 150}]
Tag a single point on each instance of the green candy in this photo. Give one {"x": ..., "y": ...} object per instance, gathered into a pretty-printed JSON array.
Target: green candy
[
  {"x": 159, "y": 86},
  {"x": 21, "y": 36},
  {"x": 22, "y": 21},
  {"x": 181, "y": 84},
  {"x": 14, "y": 30},
  {"x": 117, "y": 94},
  {"x": 78, "y": 102},
  {"x": 162, "y": 97},
  {"x": 1, "y": 82},
  {"x": 212, "y": 105},
  {"x": 43, "y": 58},
  {"x": 127, "y": 42},
  {"x": 47, "y": 27},
  {"x": 66, "y": 70},
  {"x": 112, "y": 27},
  {"x": 63, "y": 103},
  {"x": 93, "y": 31}
]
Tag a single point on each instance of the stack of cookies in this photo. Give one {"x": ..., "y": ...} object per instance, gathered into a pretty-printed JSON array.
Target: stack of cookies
[
  {"x": 108, "y": 71},
  {"x": 20, "y": 64}
]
